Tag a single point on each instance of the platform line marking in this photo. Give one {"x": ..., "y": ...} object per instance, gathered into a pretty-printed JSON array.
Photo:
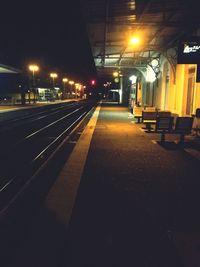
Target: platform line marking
[{"x": 62, "y": 196}]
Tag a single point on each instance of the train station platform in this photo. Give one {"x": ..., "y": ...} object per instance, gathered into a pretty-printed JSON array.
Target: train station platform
[{"x": 121, "y": 199}]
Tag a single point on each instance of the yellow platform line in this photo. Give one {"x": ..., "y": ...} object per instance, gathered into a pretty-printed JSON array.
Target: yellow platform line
[{"x": 62, "y": 196}]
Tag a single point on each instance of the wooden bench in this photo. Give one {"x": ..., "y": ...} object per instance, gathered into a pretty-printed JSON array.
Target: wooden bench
[
  {"x": 150, "y": 108},
  {"x": 137, "y": 113},
  {"x": 164, "y": 125},
  {"x": 149, "y": 118},
  {"x": 183, "y": 126}
]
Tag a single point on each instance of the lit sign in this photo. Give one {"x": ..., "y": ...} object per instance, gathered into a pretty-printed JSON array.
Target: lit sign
[{"x": 189, "y": 51}]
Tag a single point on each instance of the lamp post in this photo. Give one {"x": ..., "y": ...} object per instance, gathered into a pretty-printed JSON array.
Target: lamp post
[
  {"x": 65, "y": 80},
  {"x": 33, "y": 68},
  {"x": 76, "y": 89},
  {"x": 71, "y": 83},
  {"x": 53, "y": 76}
]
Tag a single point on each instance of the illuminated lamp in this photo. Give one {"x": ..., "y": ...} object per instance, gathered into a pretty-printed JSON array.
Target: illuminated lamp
[
  {"x": 133, "y": 79},
  {"x": 134, "y": 40},
  {"x": 93, "y": 82}
]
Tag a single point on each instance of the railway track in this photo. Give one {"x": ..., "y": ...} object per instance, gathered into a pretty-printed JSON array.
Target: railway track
[{"x": 27, "y": 144}]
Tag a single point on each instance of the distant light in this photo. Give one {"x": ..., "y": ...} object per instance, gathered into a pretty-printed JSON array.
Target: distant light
[
  {"x": 56, "y": 88},
  {"x": 116, "y": 74},
  {"x": 65, "y": 80},
  {"x": 33, "y": 67},
  {"x": 53, "y": 75},
  {"x": 71, "y": 82},
  {"x": 93, "y": 82}
]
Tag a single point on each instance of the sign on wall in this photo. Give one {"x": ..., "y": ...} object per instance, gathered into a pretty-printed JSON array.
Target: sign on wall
[{"x": 189, "y": 51}]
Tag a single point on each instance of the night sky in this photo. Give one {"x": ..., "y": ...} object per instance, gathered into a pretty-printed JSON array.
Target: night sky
[{"x": 50, "y": 33}]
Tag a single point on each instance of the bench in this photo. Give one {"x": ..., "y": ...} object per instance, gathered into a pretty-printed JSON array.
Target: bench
[
  {"x": 183, "y": 126},
  {"x": 149, "y": 118},
  {"x": 164, "y": 125},
  {"x": 164, "y": 114},
  {"x": 147, "y": 108},
  {"x": 137, "y": 112},
  {"x": 196, "y": 123}
]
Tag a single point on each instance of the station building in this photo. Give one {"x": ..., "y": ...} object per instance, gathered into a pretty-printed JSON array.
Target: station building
[{"x": 154, "y": 48}]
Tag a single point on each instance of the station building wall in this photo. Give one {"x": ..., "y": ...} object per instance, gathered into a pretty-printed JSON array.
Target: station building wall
[{"x": 179, "y": 93}]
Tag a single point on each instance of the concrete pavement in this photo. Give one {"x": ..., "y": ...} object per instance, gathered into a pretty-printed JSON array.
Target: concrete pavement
[{"x": 135, "y": 202}]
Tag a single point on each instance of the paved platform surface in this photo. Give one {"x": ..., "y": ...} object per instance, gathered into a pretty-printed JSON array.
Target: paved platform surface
[
  {"x": 138, "y": 202},
  {"x": 124, "y": 200}
]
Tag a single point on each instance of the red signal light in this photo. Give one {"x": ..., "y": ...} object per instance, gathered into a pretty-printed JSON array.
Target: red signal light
[{"x": 93, "y": 82}]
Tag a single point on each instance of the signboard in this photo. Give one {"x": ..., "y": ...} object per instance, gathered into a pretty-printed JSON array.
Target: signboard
[{"x": 189, "y": 51}]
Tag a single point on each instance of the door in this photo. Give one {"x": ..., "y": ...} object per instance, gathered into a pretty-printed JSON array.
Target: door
[{"x": 190, "y": 92}]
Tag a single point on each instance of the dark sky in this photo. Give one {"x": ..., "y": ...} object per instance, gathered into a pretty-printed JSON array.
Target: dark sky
[{"x": 51, "y": 33}]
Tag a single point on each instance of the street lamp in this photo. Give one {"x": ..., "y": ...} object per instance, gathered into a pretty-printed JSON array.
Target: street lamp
[
  {"x": 33, "y": 68},
  {"x": 115, "y": 73},
  {"x": 76, "y": 88},
  {"x": 71, "y": 83},
  {"x": 53, "y": 76},
  {"x": 65, "y": 80}
]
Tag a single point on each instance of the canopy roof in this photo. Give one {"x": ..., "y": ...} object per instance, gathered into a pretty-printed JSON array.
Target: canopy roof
[
  {"x": 8, "y": 69},
  {"x": 158, "y": 24}
]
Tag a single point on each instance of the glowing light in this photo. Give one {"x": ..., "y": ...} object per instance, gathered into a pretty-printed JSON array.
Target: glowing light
[
  {"x": 133, "y": 79},
  {"x": 33, "y": 68},
  {"x": 115, "y": 74},
  {"x": 154, "y": 62},
  {"x": 65, "y": 80},
  {"x": 134, "y": 40},
  {"x": 71, "y": 82},
  {"x": 53, "y": 75},
  {"x": 93, "y": 82}
]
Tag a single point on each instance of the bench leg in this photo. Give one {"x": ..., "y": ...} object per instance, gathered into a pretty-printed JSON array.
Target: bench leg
[
  {"x": 182, "y": 138},
  {"x": 148, "y": 127},
  {"x": 162, "y": 137}
]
